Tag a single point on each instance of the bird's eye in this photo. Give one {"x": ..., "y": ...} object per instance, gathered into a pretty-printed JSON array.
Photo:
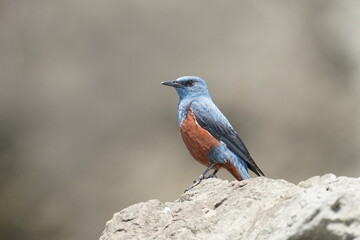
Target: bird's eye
[{"x": 188, "y": 83}]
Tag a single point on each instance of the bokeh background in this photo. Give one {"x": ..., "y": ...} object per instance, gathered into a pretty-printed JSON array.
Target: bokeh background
[{"x": 86, "y": 129}]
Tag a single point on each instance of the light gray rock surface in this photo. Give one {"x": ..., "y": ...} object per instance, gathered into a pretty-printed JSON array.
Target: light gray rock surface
[{"x": 326, "y": 207}]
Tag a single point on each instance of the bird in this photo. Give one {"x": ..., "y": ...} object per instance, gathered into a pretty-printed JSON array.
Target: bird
[{"x": 207, "y": 133}]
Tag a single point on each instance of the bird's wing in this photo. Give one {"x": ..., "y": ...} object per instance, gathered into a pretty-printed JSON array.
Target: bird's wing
[{"x": 210, "y": 118}]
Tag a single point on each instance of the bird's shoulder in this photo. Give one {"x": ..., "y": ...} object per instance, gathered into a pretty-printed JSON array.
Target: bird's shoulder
[{"x": 206, "y": 111}]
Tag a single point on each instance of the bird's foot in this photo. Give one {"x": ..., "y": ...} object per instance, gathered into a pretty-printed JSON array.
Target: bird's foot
[
  {"x": 195, "y": 183},
  {"x": 202, "y": 176}
]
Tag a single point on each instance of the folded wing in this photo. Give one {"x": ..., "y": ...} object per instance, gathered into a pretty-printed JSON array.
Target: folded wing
[{"x": 209, "y": 117}]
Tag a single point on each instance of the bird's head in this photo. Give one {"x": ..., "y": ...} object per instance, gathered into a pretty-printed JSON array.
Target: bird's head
[{"x": 188, "y": 86}]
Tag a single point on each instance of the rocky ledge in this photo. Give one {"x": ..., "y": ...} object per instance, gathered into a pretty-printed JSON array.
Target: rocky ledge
[{"x": 326, "y": 207}]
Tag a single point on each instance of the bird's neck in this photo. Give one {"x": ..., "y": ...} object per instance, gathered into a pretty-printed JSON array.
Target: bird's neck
[
  {"x": 184, "y": 94},
  {"x": 184, "y": 104}
]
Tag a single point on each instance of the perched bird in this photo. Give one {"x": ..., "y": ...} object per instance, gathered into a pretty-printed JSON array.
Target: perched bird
[{"x": 206, "y": 132}]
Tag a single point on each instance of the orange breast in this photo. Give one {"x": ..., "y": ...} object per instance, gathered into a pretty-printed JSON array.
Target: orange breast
[{"x": 198, "y": 140}]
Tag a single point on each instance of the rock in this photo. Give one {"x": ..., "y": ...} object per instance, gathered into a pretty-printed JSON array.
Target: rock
[{"x": 326, "y": 207}]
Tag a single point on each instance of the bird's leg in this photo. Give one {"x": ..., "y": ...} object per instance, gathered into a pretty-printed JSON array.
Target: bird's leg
[
  {"x": 201, "y": 177},
  {"x": 213, "y": 175}
]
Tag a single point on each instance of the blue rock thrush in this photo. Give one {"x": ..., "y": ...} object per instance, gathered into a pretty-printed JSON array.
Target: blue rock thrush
[{"x": 207, "y": 134}]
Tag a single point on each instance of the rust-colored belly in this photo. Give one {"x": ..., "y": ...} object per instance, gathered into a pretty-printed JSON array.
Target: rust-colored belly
[{"x": 198, "y": 140}]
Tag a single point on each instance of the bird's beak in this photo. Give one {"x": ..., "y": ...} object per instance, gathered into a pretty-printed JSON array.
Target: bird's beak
[{"x": 171, "y": 83}]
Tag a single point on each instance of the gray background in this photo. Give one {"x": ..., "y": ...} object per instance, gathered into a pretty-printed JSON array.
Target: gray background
[{"x": 86, "y": 129}]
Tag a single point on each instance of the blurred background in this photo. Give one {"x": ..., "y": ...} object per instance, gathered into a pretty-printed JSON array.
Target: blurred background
[{"x": 86, "y": 129}]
